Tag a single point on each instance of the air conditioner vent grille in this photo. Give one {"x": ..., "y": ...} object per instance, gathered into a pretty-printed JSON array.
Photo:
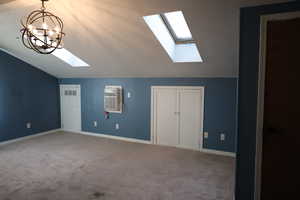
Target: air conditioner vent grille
[{"x": 113, "y": 99}]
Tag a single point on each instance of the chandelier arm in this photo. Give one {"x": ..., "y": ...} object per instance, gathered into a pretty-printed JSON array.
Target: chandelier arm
[
  {"x": 45, "y": 43},
  {"x": 35, "y": 48},
  {"x": 31, "y": 45}
]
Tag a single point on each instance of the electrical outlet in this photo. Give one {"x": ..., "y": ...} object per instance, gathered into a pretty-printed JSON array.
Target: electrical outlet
[
  {"x": 128, "y": 95},
  {"x": 95, "y": 123},
  {"x": 206, "y": 135},
  {"x": 222, "y": 136},
  {"x": 117, "y": 127},
  {"x": 28, "y": 125}
]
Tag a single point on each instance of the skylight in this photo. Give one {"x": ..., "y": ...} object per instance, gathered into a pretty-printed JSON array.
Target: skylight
[
  {"x": 69, "y": 58},
  {"x": 178, "y": 26},
  {"x": 174, "y": 35}
]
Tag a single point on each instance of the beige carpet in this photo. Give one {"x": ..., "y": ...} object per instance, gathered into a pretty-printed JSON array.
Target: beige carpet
[{"x": 66, "y": 166}]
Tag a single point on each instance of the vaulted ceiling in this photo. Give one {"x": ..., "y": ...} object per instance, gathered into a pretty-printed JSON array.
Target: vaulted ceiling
[{"x": 113, "y": 38}]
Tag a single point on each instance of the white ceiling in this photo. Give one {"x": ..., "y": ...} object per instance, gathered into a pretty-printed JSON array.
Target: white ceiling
[{"x": 112, "y": 37}]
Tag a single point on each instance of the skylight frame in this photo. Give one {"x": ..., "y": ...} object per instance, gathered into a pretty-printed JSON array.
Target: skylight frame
[
  {"x": 172, "y": 32},
  {"x": 186, "y": 52}
]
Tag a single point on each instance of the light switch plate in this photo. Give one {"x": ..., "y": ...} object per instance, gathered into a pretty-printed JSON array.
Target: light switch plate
[
  {"x": 117, "y": 127},
  {"x": 28, "y": 125},
  {"x": 128, "y": 95},
  {"x": 222, "y": 136},
  {"x": 95, "y": 123}
]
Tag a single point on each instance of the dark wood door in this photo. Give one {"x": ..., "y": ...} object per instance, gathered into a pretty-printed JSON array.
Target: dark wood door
[{"x": 281, "y": 136}]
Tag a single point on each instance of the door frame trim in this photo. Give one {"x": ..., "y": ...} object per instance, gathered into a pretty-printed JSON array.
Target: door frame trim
[
  {"x": 60, "y": 94},
  {"x": 153, "y": 106},
  {"x": 260, "y": 91}
]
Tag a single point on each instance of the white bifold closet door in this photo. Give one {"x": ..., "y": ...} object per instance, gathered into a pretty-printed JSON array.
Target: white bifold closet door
[
  {"x": 70, "y": 103},
  {"x": 189, "y": 118},
  {"x": 166, "y": 117},
  {"x": 178, "y": 116}
]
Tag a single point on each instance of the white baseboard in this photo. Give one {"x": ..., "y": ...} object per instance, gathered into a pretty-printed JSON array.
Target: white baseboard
[
  {"x": 216, "y": 152},
  {"x": 210, "y": 151},
  {"x": 27, "y": 137},
  {"x": 111, "y": 137}
]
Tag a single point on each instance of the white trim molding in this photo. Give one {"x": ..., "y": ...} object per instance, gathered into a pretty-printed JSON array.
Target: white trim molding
[
  {"x": 111, "y": 137},
  {"x": 204, "y": 150},
  {"x": 101, "y": 135},
  {"x": 216, "y": 152},
  {"x": 28, "y": 137}
]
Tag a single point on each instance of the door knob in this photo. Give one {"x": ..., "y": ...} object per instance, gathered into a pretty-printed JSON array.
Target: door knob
[{"x": 273, "y": 131}]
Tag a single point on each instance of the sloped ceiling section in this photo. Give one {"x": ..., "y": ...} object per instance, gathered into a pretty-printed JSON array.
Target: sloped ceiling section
[{"x": 113, "y": 38}]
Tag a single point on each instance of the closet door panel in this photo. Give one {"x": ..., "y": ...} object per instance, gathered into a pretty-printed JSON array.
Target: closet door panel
[
  {"x": 190, "y": 102},
  {"x": 167, "y": 117}
]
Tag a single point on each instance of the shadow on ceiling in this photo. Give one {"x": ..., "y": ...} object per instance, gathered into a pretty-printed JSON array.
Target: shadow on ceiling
[{"x": 5, "y": 1}]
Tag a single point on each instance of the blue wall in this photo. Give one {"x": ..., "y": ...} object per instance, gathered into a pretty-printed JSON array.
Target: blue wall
[
  {"x": 26, "y": 95},
  {"x": 248, "y": 82},
  {"x": 220, "y": 107}
]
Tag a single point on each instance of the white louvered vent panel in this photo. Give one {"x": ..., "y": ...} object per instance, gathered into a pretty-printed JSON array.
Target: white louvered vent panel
[{"x": 70, "y": 93}]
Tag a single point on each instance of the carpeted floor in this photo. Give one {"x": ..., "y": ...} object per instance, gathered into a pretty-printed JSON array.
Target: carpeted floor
[{"x": 66, "y": 166}]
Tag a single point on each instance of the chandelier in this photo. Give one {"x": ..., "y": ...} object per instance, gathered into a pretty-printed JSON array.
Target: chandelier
[{"x": 42, "y": 31}]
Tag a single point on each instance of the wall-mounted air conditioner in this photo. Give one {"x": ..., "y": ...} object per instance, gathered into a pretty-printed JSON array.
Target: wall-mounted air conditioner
[{"x": 113, "y": 99}]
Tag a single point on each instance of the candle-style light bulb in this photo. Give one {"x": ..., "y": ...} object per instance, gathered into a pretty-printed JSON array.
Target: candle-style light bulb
[
  {"x": 30, "y": 27},
  {"x": 57, "y": 29},
  {"x": 50, "y": 33}
]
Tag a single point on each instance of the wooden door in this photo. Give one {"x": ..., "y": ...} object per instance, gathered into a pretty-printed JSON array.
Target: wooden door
[{"x": 281, "y": 136}]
